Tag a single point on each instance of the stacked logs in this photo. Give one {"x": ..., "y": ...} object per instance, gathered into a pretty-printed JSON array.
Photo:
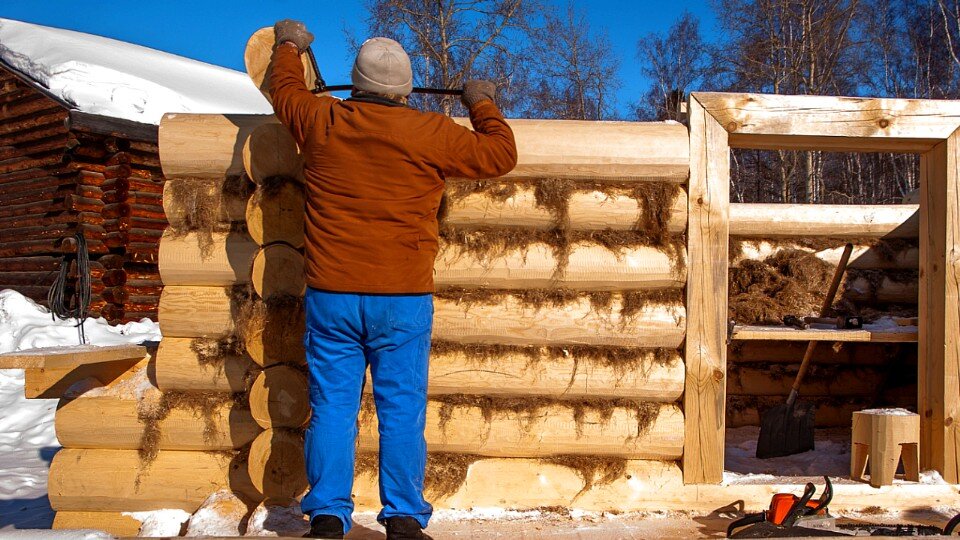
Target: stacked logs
[
  {"x": 557, "y": 356},
  {"x": 59, "y": 178},
  {"x": 881, "y": 280}
]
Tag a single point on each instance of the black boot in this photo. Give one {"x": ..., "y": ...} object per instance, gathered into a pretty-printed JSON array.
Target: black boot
[
  {"x": 324, "y": 526},
  {"x": 405, "y": 528}
]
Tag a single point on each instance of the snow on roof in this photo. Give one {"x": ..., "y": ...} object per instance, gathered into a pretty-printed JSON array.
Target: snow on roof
[{"x": 112, "y": 78}]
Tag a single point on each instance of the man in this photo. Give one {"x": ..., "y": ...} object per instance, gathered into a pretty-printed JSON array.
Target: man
[{"x": 375, "y": 172}]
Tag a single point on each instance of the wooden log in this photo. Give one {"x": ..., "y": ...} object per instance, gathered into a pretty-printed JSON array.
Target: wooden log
[
  {"x": 588, "y": 210},
  {"x": 195, "y": 259},
  {"x": 205, "y": 145},
  {"x": 862, "y": 256},
  {"x": 791, "y": 352},
  {"x": 548, "y": 431},
  {"x": 117, "y": 423},
  {"x": 869, "y": 333},
  {"x": 70, "y": 356},
  {"x": 889, "y": 291},
  {"x": 649, "y": 377},
  {"x": 839, "y": 124},
  {"x": 226, "y": 206},
  {"x": 279, "y": 397},
  {"x": 270, "y": 150},
  {"x": 830, "y": 412},
  {"x": 87, "y": 480},
  {"x": 45, "y": 119},
  {"x": 819, "y": 220},
  {"x": 276, "y": 465},
  {"x": 589, "y": 267},
  {"x": 180, "y": 368},
  {"x": 210, "y": 146},
  {"x": 277, "y": 217},
  {"x": 576, "y": 322},
  {"x": 257, "y": 60},
  {"x": 278, "y": 270},
  {"x": 196, "y": 312},
  {"x": 762, "y": 381},
  {"x": 115, "y": 523}
]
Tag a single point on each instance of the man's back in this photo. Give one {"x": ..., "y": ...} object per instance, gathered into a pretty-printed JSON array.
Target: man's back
[{"x": 375, "y": 174}]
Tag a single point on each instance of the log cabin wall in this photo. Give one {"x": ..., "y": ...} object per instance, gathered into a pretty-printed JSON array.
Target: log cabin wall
[{"x": 63, "y": 172}]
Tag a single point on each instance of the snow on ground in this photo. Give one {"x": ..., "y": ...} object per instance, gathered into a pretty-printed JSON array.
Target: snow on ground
[
  {"x": 831, "y": 457},
  {"x": 27, "y": 438},
  {"x": 103, "y": 76}
]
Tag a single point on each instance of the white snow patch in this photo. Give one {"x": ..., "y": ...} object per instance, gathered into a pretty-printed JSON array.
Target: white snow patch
[
  {"x": 277, "y": 520},
  {"x": 27, "y": 437},
  {"x": 160, "y": 522},
  {"x": 108, "y": 77},
  {"x": 219, "y": 515},
  {"x": 136, "y": 386},
  {"x": 889, "y": 412},
  {"x": 482, "y": 513},
  {"x": 76, "y": 534}
]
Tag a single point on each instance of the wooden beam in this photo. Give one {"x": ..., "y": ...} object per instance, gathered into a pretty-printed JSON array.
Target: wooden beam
[
  {"x": 69, "y": 356},
  {"x": 707, "y": 247},
  {"x": 840, "y": 124},
  {"x": 832, "y": 220},
  {"x": 870, "y": 333},
  {"x": 939, "y": 308}
]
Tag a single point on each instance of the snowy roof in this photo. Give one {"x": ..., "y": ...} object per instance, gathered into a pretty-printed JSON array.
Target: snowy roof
[{"x": 107, "y": 77}]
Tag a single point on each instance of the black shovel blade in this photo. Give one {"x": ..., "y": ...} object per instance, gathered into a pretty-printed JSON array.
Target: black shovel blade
[{"x": 785, "y": 430}]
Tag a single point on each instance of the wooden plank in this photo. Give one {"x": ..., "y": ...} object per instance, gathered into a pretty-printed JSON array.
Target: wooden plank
[
  {"x": 831, "y": 123},
  {"x": 52, "y": 383},
  {"x": 818, "y": 220},
  {"x": 939, "y": 308},
  {"x": 869, "y": 333},
  {"x": 707, "y": 247},
  {"x": 69, "y": 356},
  {"x": 115, "y": 523}
]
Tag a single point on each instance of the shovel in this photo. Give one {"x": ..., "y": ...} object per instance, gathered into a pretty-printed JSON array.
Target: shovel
[{"x": 788, "y": 429}]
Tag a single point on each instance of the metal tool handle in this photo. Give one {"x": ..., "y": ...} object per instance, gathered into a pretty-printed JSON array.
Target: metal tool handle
[{"x": 827, "y": 302}]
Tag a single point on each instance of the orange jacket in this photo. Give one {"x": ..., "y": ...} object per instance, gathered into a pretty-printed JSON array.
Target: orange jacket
[{"x": 374, "y": 177}]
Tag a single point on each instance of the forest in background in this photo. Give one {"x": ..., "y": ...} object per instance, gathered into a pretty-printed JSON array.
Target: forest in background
[{"x": 550, "y": 63}]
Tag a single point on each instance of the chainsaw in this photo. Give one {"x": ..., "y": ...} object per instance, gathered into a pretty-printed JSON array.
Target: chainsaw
[{"x": 790, "y": 516}]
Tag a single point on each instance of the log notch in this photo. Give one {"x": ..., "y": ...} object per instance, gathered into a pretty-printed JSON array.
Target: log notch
[
  {"x": 276, "y": 213},
  {"x": 206, "y": 145},
  {"x": 278, "y": 270},
  {"x": 279, "y": 397},
  {"x": 276, "y": 465},
  {"x": 270, "y": 151}
]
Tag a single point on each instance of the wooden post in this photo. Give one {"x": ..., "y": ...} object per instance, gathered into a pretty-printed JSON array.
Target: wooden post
[
  {"x": 707, "y": 246},
  {"x": 939, "y": 343}
]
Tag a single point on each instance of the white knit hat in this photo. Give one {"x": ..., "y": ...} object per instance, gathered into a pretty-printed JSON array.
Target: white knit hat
[{"x": 382, "y": 67}]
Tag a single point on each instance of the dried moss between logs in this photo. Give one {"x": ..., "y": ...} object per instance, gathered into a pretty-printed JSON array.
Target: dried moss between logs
[
  {"x": 622, "y": 360},
  {"x": 654, "y": 202},
  {"x": 790, "y": 282},
  {"x": 886, "y": 248},
  {"x": 593, "y": 470},
  {"x": 275, "y": 313},
  {"x": 632, "y": 302},
  {"x": 202, "y": 404},
  {"x": 201, "y": 207},
  {"x": 212, "y": 352}
]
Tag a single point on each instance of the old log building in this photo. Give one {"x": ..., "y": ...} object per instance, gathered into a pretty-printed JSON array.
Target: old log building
[{"x": 63, "y": 172}]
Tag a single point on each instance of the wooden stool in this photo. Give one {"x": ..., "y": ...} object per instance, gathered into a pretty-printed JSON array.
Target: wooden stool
[{"x": 882, "y": 438}]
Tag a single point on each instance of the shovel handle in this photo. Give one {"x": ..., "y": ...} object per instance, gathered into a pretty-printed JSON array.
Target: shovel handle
[{"x": 827, "y": 302}]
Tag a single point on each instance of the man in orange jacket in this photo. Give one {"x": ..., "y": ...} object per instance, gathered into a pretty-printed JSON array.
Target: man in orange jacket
[{"x": 375, "y": 171}]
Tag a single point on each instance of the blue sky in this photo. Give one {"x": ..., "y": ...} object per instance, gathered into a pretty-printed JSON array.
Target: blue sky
[{"x": 215, "y": 31}]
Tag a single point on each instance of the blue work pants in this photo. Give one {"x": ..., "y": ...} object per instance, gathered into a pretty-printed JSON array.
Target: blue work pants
[{"x": 345, "y": 333}]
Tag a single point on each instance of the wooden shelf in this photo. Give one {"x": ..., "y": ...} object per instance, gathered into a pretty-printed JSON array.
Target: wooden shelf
[
  {"x": 869, "y": 333},
  {"x": 69, "y": 357}
]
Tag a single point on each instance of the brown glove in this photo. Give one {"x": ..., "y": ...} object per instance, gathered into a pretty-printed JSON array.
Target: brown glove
[
  {"x": 476, "y": 91},
  {"x": 294, "y": 32}
]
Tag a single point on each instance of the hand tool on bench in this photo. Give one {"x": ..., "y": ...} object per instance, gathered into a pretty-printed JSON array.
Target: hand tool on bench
[
  {"x": 847, "y": 322},
  {"x": 788, "y": 429},
  {"x": 323, "y": 87}
]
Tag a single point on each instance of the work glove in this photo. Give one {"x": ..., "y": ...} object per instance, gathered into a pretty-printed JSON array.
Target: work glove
[
  {"x": 476, "y": 91},
  {"x": 294, "y": 32}
]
